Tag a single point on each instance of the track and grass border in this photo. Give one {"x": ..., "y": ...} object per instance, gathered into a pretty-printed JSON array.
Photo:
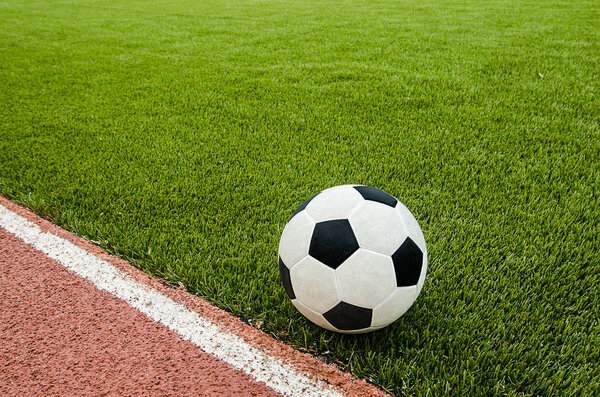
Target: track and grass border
[{"x": 214, "y": 331}]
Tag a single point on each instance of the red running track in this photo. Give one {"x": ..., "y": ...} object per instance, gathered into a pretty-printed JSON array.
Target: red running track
[{"x": 60, "y": 335}]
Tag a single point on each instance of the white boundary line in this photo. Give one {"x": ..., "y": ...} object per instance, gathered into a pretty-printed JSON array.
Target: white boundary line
[{"x": 188, "y": 324}]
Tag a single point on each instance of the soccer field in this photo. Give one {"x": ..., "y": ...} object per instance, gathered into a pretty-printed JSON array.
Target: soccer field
[{"x": 181, "y": 135}]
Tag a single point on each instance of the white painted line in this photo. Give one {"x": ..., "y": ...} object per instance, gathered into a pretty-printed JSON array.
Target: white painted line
[{"x": 207, "y": 336}]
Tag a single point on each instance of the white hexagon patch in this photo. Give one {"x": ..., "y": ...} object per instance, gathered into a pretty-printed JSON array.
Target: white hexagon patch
[
  {"x": 395, "y": 306},
  {"x": 334, "y": 203},
  {"x": 295, "y": 239},
  {"x": 378, "y": 227},
  {"x": 314, "y": 285},
  {"x": 366, "y": 278},
  {"x": 312, "y": 315}
]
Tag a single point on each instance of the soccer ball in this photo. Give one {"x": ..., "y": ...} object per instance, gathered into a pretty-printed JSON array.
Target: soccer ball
[{"x": 352, "y": 259}]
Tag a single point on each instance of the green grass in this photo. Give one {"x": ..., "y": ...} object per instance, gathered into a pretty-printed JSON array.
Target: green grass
[{"x": 182, "y": 134}]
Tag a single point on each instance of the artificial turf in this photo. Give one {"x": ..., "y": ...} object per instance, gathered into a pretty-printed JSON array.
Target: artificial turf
[{"x": 182, "y": 134}]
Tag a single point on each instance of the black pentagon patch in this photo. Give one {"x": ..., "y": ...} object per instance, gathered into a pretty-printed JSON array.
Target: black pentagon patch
[
  {"x": 373, "y": 194},
  {"x": 347, "y": 317},
  {"x": 284, "y": 275},
  {"x": 303, "y": 205},
  {"x": 408, "y": 261},
  {"x": 333, "y": 242}
]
